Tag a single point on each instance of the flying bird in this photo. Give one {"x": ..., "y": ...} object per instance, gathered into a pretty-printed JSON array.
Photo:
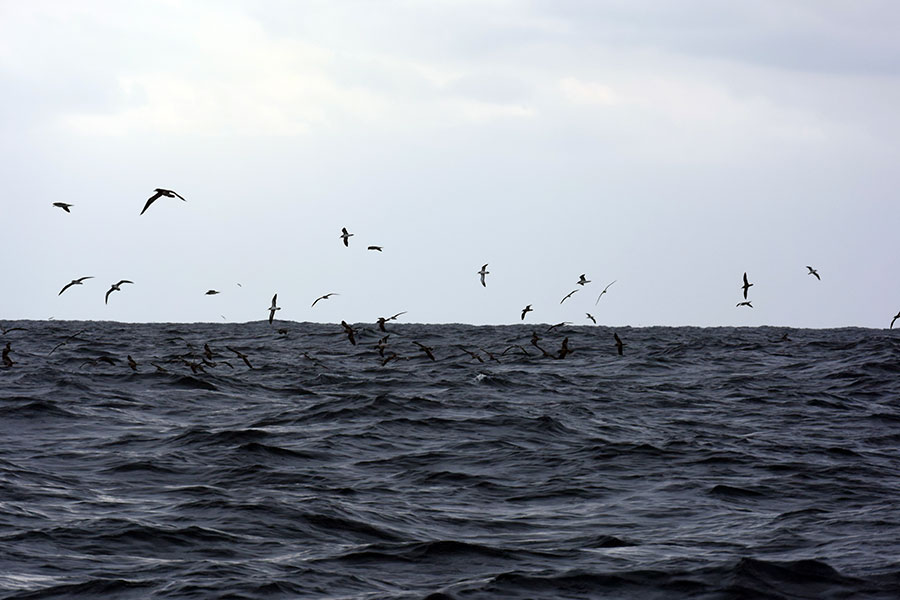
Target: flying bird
[
  {"x": 526, "y": 310},
  {"x": 744, "y": 303},
  {"x": 897, "y": 316},
  {"x": 63, "y": 206},
  {"x": 582, "y": 280},
  {"x": 241, "y": 355},
  {"x": 114, "y": 288},
  {"x": 379, "y": 248},
  {"x": 212, "y": 292},
  {"x": 351, "y": 333},
  {"x": 619, "y": 344},
  {"x": 325, "y": 297},
  {"x": 564, "y": 350},
  {"x": 7, "y": 361},
  {"x": 273, "y": 308},
  {"x": 132, "y": 363},
  {"x": 483, "y": 272},
  {"x": 346, "y": 235},
  {"x": 603, "y": 292},
  {"x": 746, "y": 285},
  {"x": 813, "y": 272},
  {"x": 74, "y": 282},
  {"x": 160, "y": 193},
  {"x": 591, "y": 317},
  {"x": 383, "y": 320},
  {"x": 429, "y": 352},
  {"x": 567, "y": 296}
]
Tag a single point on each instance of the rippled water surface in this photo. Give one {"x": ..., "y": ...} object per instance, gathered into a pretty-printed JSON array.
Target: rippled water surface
[{"x": 703, "y": 463}]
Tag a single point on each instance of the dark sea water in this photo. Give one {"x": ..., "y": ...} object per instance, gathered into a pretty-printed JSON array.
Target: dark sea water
[{"x": 704, "y": 463}]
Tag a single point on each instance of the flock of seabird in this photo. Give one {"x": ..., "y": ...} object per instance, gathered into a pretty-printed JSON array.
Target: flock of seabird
[{"x": 352, "y": 333}]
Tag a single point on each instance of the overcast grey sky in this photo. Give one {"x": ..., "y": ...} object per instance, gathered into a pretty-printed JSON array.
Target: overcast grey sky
[{"x": 667, "y": 146}]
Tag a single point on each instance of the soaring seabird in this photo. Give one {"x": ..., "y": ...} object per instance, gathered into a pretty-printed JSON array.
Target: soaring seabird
[
  {"x": 159, "y": 193},
  {"x": 429, "y": 352},
  {"x": 483, "y": 272},
  {"x": 273, "y": 308},
  {"x": 897, "y": 316},
  {"x": 744, "y": 303},
  {"x": 526, "y": 310},
  {"x": 63, "y": 206},
  {"x": 591, "y": 317},
  {"x": 325, "y": 297},
  {"x": 132, "y": 363},
  {"x": 813, "y": 272},
  {"x": 346, "y": 235},
  {"x": 603, "y": 292},
  {"x": 567, "y": 296},
  {"x": 564, "y": 350},
  {"x": 241, "y": 355},
  {"x": 7, "y": 361},
  {"x": 212, "y": 292},
  {"x": 114, "y": 288},
  {"x": 746, "y": 285},
  {"x": 4, "y": 330},
  {"x": 379, "y": 248},
  {"x": 382, "y": 320},
  {"x": 351, "y": 333},
  {"x": 74, "y": 282},
  {"x": 619, "y": 344},
  {"x": 582, "y": 280}
]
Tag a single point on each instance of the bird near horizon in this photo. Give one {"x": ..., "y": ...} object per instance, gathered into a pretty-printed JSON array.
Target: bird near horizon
[
  {"x": 63, "y": 206},
  {"x": 74, "y": 282},
  {"x": 746, "y": 285},
  {"x": 273, "y": 308},
  {"x": 351, "y": 333},
  {"x": 897, "y": 316},
  {"x": 160, "y": 192},
  {"x": 619, "y": 344},
  {"x": 526, "y": 310},
  {"x": 582, "y": 280},
  {"x": 567, "y": 296},
  {"x": 115, "y": 288},
  {"x": 346, "y": 235},
  {"x": 604, "y": 291},
  {"x": 591, "y": 317},
  {"x": 325, "y": 297},
  {"x": 813, "y": 272},
  {"x": 482, "y": 273}
]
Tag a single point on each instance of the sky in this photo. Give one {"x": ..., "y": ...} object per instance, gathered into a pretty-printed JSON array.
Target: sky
[{"x": 669, "y": 147}]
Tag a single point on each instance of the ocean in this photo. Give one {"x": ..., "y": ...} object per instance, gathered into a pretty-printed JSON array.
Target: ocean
[{"x": 703, "y": 463}]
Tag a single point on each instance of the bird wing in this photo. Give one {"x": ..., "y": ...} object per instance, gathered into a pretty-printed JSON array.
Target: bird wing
[
  {"x": 65, "y": 287},
  {"x": 111, "y": 290},
  {"x": 178, "y": 195},
  {"x": 271, "y": 315},
  {"x": 151, "y": 200},
  {"x": 275, "y": 297},
  {"x": 316, "y": 300},
  {"x": 123, "y": 281}
]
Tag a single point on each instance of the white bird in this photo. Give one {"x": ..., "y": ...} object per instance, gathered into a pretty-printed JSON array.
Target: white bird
[
  {"x": 813, "y": 272},
  {"x": 273, "y": 308},
  {"x": 483, "y": 272},
  {"x": 74, "y": 282},
  {"x": 159, "y": 193},
  {"x": 604, "y": 291},
  {"x": 114, "y": 288}
]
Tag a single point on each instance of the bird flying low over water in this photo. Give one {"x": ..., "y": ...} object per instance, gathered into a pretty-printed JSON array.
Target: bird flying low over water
[
  {"x": 813, "y": 272},
  {"x": 603, "y": 292},
  {"x": 74, "y": 282},
  {"x": 746, "y": 285},
  {"x": 7, "y": 361},
  {"x": 526, "y": 310},
  {"x": 582, "y": 280},
  {"x": 114, "y": 288},
  {"x": 346, "y": 235},
  {"x": 619, "y": 344},
  {"x": 63, "y": 206},
  {"x": 351, "y": 333},
  {"x": 591, "y": 317},
  {"x": 160, "y": 193},
  {"x": 273, "y": 308},
  {"x": 382, "y": 320},
  {"x": 242, "y": 356},
  {"x": 744, "y": 303},
  {"x": 897, "y": 316},
  {"x": 567, "y": 296},
  {"x": 483, "y": 272},
  {"x": 429, "y": 352},
  {"x": 325, "y": 297}
]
